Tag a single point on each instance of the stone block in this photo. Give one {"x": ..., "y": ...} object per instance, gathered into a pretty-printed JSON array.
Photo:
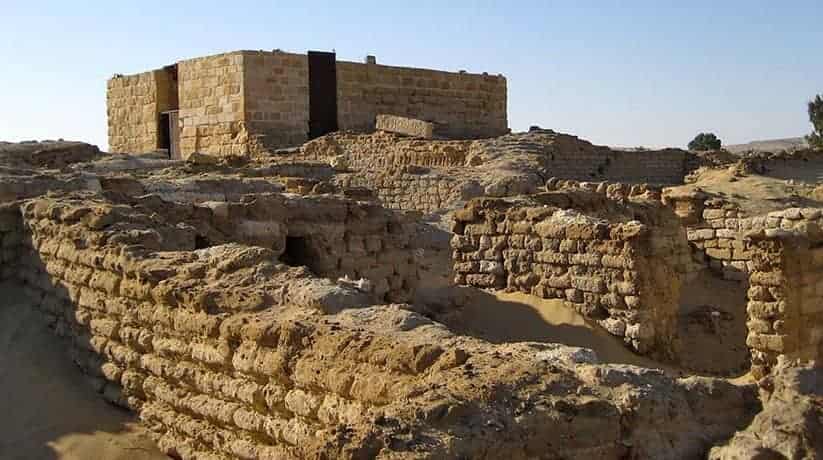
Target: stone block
[{"x": 404, "y": 125}]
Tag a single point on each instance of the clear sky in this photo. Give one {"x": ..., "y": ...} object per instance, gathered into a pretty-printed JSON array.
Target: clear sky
[{"x": 628, "y": 73}]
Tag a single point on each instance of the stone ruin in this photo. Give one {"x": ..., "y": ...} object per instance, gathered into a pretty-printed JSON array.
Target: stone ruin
[{"x": 307, "y": 303}]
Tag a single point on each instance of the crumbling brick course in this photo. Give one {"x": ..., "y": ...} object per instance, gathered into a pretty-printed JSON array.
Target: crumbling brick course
[{"x": 622, "y": 272}]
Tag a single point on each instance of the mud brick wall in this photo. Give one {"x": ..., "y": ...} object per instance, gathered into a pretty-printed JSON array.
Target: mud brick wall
[
  {"x": 461, "y": 105},
  {"x": 625, "y": 275},
  {"x": 276, "y": 95},
  {"x": 211, "y": 105},
  {"x": 785, "y": 298},
  {"x": 417, "y": 190},
  {"x": 133, "y": 105}
]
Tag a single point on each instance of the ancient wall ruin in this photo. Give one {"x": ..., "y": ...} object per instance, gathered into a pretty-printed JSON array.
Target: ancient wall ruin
[
  {"x": 223, "y": 353},
  {"x": 134, "y": 103},
  {"x": 622, "y": 272},
  {"x": 211, "y": 113},
  {"x": 572, "y": 158},
  {"x": 462, "y": 105},
  {"x": 411, "y": 189},
  {"x": 785, "y": 297},
  {"x": 386, "y": 150}
]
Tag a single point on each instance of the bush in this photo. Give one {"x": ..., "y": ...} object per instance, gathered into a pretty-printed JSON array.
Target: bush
[
  {"x": 705, "y": 141},
  {"x": 816, "y": 118}
]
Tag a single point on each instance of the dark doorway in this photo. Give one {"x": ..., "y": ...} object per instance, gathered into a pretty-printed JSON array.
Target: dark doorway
[
  {"x": 322, "y": 93},
  {"x": 168, "y": 136},
  {"x": 296, "y": 253},
  {"x": 163, "y": 134}
]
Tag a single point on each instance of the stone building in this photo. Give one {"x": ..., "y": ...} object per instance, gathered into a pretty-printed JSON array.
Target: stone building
[{"x": 247, "y": 101}]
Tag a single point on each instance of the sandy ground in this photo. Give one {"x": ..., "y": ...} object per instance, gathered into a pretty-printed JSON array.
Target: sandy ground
[
  {"x": 712, "y": 326},
  {"x": 513, "y": 317},
  {"x": 759, "y": 194},
  {"x": 49, "y": 411}
]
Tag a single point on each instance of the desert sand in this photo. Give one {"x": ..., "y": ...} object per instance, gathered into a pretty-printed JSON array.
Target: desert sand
[{"x": 50, "y": 411}]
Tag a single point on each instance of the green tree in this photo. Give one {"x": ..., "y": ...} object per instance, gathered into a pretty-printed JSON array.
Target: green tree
[
  {"x": 705, "y": 141},
  {"x": 816, "y": 118}
]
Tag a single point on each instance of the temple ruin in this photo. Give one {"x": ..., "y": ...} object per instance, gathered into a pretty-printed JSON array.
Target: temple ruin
[{"x": 384, "y": 287}]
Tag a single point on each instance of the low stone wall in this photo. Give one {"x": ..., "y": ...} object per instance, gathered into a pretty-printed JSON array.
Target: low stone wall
[
  {"x": 223, "y": 353},
  {"x": 717, "y": 229},
  {"x": 384, "y": 150},
  {"x": 568, "y": 157},
  {"x": 161, "y": 334},
  {"x": 785, "y": 297},
  {"x": 621, "y": 272},
  {"x": 419, "y": 190}
]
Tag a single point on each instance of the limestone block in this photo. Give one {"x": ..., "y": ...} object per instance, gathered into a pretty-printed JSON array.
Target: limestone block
[{"x": 404, "y": 125}]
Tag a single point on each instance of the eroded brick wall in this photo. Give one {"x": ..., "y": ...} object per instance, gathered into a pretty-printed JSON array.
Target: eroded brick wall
[
  {"x": 568, "y": 157},
  {"x": 385, "y": 150},
  {"x": 223, "y": 353},
  {"x": 339, "y": 238},
  {"x": 623, "y": 273},
  {"x": 462, "y": 105},
  {"x": 211, "y": 105},
  {"x": 420, "y": 191},
  {"x": 785, "y": 299},
  {"x": 196, "y": 362}
]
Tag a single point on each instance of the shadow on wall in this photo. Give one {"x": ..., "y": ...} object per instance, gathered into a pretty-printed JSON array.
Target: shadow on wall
[{"x": 50, "y": 411}]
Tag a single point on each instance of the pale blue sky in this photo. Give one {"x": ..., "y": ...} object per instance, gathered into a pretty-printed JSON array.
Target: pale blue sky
[{"x": 623, "y": 73}]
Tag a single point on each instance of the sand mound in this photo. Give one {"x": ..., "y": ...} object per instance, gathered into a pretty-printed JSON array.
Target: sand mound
[{"x": 50, "y": 412}]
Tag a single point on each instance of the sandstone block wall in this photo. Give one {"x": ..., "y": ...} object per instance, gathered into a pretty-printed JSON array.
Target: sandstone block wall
[
  {"x": 276, "y": 95},
  {"x": 625, "y": 274},
  {"x": 212, "y": 118},
  {"x": 134, "y": 103},
  {"x": 785, "y": 295},
  {"x": 461, "y": 105}
]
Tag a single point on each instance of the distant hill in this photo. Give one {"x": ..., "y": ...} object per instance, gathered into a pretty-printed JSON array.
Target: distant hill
[{"x": 771, "y": 145}]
